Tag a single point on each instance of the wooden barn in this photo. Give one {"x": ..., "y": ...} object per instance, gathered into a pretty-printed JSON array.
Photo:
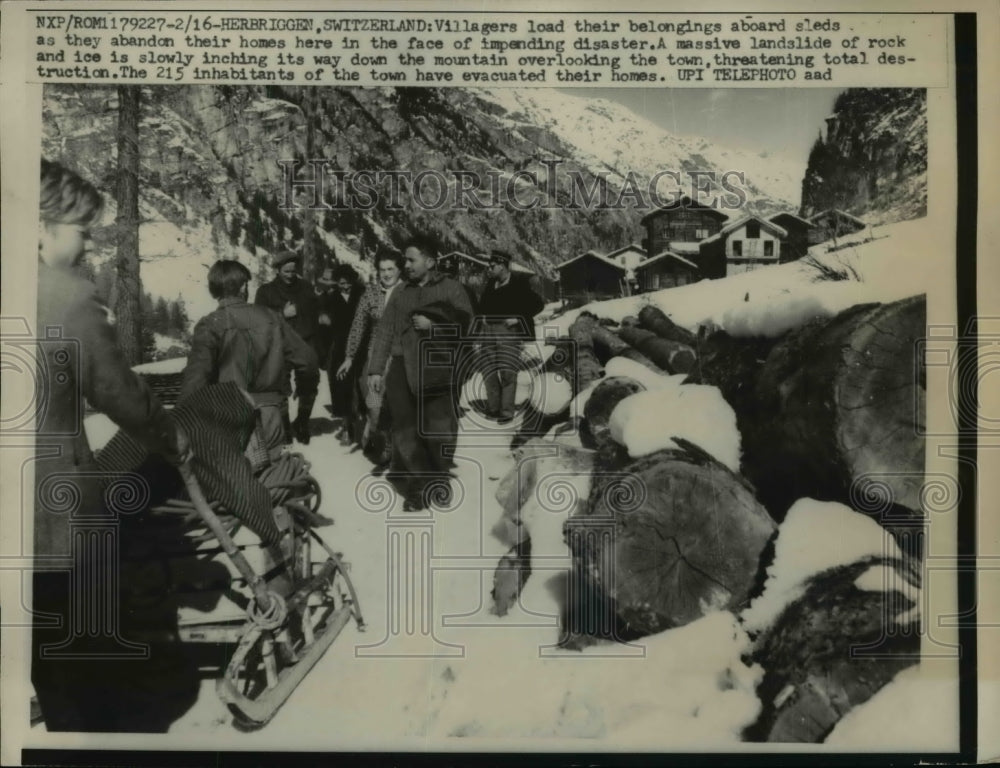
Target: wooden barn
[
  {"x": 665, "y": 270},
  {"x": 796, "y": 245},
  {"x": 681, "y": 222},
  {"x": 833, "y": 223},
  {"x": 591, "y": 276}
]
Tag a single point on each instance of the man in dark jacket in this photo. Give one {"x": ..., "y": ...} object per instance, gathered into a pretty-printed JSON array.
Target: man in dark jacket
[
  {"x": 87, "y": 675},
  {"x": 255, "y": 348},
  {"x": 290, "y": 296},
  {"x": 417, "y": 336},
  {"x": 508, "y": 309}
]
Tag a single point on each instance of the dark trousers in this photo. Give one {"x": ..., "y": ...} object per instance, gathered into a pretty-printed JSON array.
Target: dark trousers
[
  {"x": 500, "y": 363},
  {"x": 424, "y": 429},
  {"x": 341, "y": 390}
]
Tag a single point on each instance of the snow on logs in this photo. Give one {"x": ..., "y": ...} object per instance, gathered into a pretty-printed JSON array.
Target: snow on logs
[
  {"x": 852, "y": 630},
  {"x": 603, "y": 399},
  {"x": 664, "y": 540}
]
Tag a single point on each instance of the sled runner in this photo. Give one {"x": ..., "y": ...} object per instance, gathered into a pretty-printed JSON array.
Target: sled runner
[
  {"x": 228, "y": 558},
  {"x": 281, "y": 609}
]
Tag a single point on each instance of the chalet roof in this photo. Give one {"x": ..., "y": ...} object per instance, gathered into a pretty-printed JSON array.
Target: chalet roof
[
  {"x": 483, "y": 260},
  {"x": 594, "y": 255},
  {"x": 837, "y": 212},
  {"x": 688, "y": 248},
  {"x": 459, "y": 254},
  {"x": 664, "y": 255},
  {"x": 685, "y": 202},
  {"x": 732, "y": 226},
  {"x": 629, "y": 247},
  {"x": 792, "y": 216}
]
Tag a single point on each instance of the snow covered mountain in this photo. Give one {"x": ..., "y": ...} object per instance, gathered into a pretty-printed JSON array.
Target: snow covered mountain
[{"x": 211, "y": 186}]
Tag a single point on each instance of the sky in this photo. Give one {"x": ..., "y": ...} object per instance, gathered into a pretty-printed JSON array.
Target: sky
[{"x": 775, "y": 120}]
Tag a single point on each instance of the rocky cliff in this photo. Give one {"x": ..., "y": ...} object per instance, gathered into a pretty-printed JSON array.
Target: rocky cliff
[{"x": 872, "y": 161}]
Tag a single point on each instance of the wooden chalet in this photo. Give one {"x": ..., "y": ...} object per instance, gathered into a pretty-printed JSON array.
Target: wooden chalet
[
  {"x": 833, "y": 223},
  {"x": 680, "y": 226},
  {"x": 591, "y": 276},
  {"x": 666, "y": 270},
  {"x": 745, "y": 244},
  {"x": 796, "y": 245}
]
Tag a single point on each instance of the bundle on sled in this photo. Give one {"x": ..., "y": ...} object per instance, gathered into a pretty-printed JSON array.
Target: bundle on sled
[{"x": 232, "y": 546}]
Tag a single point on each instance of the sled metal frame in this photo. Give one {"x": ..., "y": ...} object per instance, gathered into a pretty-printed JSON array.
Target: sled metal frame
[{"x": 283, "y": 635}]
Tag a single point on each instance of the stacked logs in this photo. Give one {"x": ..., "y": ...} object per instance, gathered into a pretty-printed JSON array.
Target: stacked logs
[{"x": 832, "y": 410}]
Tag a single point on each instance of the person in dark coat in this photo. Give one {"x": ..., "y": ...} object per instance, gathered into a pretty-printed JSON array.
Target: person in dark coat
[
  {"x": 507, "y": 308},
  {"x": 255, "y": 348},
  {"x": 419, "y": 380},
  {"x": 341, "y": 304},
  {"x": 89, "y": 677},
  {"x": 294, "y": 299},
  {"x": 290, "y": 296},
  {"x": 323, "y": 338}
]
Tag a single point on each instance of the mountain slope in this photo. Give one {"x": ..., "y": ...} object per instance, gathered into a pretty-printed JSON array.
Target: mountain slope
[{"x": 873, "y": 160}]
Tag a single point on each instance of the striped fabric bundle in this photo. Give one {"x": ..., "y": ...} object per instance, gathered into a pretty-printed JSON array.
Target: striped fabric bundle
[{"x": 218, "y": 421}]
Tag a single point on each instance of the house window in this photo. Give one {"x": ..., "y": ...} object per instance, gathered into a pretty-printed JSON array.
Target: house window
[
  {"x": 737, "y": 247},
  {"x": 769, "y": 248},
  {"x": 701, "y": 234},
  {"x": 753, "y": 229}
]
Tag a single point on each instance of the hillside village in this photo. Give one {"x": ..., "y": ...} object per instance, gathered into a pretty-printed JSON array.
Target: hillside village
[{"x": 687, "y": 242}]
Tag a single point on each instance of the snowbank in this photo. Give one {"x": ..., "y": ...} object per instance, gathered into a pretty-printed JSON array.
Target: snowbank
[
  {"x": 648, "y": 421},
  {"x": 687, "y": 688},
  {"x": 907, "y": 715},
  {"x": 815, "y": 536}
]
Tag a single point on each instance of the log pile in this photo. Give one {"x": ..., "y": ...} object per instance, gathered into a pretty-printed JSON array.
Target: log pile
[{"x": 832, "y": 410}]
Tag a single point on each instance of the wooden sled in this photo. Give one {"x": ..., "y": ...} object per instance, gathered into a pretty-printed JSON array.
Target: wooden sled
[{"x": 279, "y": 608}]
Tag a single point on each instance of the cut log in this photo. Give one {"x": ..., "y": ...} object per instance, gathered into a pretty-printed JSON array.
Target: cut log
[
  {"x": 841, "y": 415},
  {"x": 597, "y": 412},
  {"x": 672, "y": 356},
  {"x": 666, "y": 539},
  {"x": 588, "y": 368},
  {"x": 652, "y": 318},
  {"x": 834, "y": 648},
  {"x": 608, "y": 344}
]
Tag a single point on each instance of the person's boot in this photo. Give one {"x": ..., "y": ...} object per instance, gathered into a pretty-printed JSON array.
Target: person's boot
[
  {"x": 300, "y": 431},
  {"x": 300, "y": 427}
]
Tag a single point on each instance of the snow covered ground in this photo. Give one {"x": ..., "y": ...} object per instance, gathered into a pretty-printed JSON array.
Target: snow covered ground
[{"x": 474, "y": 680}]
